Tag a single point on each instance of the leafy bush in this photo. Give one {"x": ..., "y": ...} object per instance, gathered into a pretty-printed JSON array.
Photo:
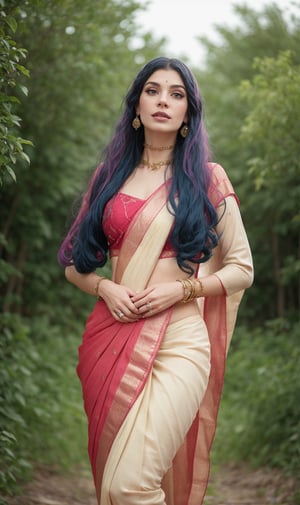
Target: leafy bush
[
  {"x": 260, "y": 414},
  {"x": 17, "y": 355},
  {"x": 41, "y": 413}
]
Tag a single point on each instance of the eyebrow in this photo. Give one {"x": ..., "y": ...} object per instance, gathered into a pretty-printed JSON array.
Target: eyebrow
[{"x": 153, "y": 83}]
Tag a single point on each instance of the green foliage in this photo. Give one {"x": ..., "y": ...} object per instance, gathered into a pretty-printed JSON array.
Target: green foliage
[
  {"x": 260, "y": 411},
  {"x": 269, "y": 106},
  {"x": 273, "y": 122},
  {"x": 272, "y": 129},
  {"x": 40, "y": 402},
  {"x": 259, "y": 34},
  {"x": 11, "y": 69},
  {"x": 16, "y": 386}
]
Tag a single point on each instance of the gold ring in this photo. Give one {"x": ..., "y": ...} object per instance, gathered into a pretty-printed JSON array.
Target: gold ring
[{"x": 148, "y": 305}]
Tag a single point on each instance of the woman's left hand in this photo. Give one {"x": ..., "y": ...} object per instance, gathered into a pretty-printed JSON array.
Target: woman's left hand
[{"x": 157, "y": 298}]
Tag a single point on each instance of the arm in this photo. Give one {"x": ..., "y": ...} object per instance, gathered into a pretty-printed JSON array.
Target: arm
[
  {"x": 86, "y": 282},
  {"x": 116, "y": 297},
  {"x": 230, "y": 269},
  {"x": 236, "y": 273}
]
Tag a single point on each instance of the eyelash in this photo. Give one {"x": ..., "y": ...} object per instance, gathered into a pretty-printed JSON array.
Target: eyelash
[{"x": 152, "y": 91}]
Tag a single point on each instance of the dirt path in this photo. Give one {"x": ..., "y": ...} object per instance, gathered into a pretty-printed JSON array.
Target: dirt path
[
  {"x": 230, "y": 485},
  {"x": 237, "y": 485}
]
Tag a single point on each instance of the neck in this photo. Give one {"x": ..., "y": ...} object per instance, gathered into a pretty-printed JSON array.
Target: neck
[
  {"x": 155, "y": 165},
  {"x": 152, "y": 147},
  {"x": 157, "y": 152}
]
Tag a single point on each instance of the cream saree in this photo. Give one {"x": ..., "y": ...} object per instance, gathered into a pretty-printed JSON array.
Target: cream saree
[{"x": 119, "y": 362}]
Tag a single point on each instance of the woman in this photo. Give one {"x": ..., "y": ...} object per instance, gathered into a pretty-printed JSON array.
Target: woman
[{"x": 152, "y": 358}]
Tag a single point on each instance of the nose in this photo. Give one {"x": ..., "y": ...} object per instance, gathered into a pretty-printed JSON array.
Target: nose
[{"x": 163, "y": 100}]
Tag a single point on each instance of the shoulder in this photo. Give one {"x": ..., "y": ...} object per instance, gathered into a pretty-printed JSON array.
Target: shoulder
[
  {"x": 217, "y": 173},
  {"x": 220, "y": 185}
]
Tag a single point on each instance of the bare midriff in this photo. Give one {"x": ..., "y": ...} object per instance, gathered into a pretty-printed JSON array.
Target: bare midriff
[{"x": 167, "y": 270}]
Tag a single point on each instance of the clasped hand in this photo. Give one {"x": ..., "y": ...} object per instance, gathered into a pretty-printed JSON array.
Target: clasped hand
[{"x": 127, "y": 305}]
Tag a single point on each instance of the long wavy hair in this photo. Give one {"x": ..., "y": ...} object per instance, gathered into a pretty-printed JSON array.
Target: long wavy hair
[{"x": 193, "y": 234}]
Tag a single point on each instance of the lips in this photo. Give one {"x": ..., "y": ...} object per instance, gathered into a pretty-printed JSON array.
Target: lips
[{"x": 161, "y": 114}]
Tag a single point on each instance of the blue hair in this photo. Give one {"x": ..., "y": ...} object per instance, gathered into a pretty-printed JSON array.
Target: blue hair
[{"x": 193, "y": 235}]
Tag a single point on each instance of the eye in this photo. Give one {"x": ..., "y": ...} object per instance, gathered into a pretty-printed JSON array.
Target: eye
[
  {"x": 150, "y": 91},
  {"x": 177, "y": 95}
]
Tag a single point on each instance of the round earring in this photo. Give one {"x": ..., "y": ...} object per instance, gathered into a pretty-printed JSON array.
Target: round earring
[
  {"x": 136, "y": 123},
  {"x": 184, "y": 131}
]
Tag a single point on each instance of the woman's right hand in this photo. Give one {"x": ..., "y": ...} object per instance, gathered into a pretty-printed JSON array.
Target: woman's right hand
[{"x": 118, "y": 301}]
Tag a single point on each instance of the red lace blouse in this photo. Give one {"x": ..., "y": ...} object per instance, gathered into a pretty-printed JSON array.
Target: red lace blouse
[{"x": 118, "y": 213}]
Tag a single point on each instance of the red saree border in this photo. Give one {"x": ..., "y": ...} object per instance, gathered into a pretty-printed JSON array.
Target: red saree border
[{"x": 209, "y": 408}]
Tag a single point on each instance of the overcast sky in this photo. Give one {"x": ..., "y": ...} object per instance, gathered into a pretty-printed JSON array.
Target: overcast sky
[{"x": 181, "y": 21}]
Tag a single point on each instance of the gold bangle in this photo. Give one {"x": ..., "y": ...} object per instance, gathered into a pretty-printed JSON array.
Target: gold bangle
[
  {"x": 190, "y": 291},
  {"x": 195, "y": 293},
  {"x": 183, "y": 285},
  {"x": 201, "y": 292},
  {"x": 97, "y": 286},
  {"x": 187, "y": 289}
]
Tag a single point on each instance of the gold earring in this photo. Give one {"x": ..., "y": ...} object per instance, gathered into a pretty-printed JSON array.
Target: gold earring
[
  {"x": 184, "y": 131},
  {"x": 136, "y": 123}
]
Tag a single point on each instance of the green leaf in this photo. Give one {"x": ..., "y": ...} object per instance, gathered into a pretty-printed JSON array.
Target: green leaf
[
  {"x": 25, "y": 157},
  {"x": 24, "y": 90},
  {"x": 12, "y": 23},
  {"x": 8, "y": 436},
  {"x": 11, "y": 173},
  {"x": 23, "y": 70}
]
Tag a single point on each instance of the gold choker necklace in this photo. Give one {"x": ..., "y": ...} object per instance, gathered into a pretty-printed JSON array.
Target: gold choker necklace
[
  {"x": 161, "y": 148},
  {"x": 155, "y": 166}
]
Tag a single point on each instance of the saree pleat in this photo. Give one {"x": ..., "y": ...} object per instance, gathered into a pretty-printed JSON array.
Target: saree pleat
[{"x": 159, "y": 421}]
